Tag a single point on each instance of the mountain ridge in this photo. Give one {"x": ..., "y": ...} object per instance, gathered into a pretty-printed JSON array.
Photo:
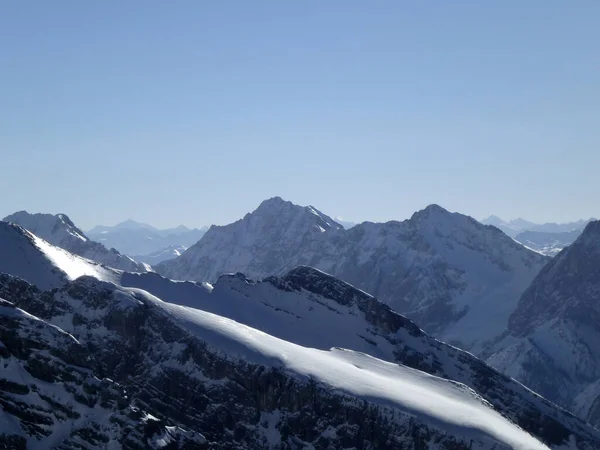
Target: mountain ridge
[
  {"x": 60, "y": 231},
  {"x": 445, "y": 270}
]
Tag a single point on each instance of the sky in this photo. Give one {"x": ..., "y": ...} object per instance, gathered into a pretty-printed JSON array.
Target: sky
[{"x": 194, "y": 112}]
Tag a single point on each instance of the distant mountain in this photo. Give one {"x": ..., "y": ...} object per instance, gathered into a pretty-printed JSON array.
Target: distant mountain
[
  {"x": 552, "y": 342},
  {"x": 458, "y": 279},
  {"x": 513, "y": 227},
  {"x": 549, "y": 244},
  {"x": 164, "y": 254},
  {"x": 135, "y": 238},
  {"x": 346, "y": 224},
  {"x": 60, "y": 231},
  {"x": 93, "y": 364},
  {"x": 510, "y": 228}
]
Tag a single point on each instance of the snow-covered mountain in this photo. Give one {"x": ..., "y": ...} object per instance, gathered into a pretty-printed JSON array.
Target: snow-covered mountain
[
  {"x": 27, "y": 256},
  {"x": 96, "y": 365},
  {"x": 547, "y": 243},
  {"x": 135, "y": 238},
  {"x": 164, "y": 254},
  {"x": 60, "y": 231},
  {"x": 554, "y": 334},
  {"x": 457, "y": 278}
]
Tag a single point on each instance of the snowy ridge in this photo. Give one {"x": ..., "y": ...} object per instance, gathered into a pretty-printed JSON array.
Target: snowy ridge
[
  {"x": 212, "y": 353},
  {"x": 458, "y": 279},
  {"x": 27, "y": 256},
  {"x": 60, "y": 231},
  {"x": 446, "y": 403},
  {"x": 171, "y": 334},
  {"x": 341, "y": 316}
]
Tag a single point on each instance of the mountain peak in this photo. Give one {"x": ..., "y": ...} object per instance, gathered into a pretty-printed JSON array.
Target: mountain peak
[
  {"x": 429, "y": 212},
  {"x": 276, "y": 206},
  {"x": 592, "y": 229},
  {"x": 60, "y": 231},
  {"x": 41, "y": 224},
  {"x": 273, "y": 203}
]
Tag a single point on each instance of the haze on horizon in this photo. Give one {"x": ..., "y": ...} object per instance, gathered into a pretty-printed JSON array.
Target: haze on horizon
[{"x": 194, "y": 113}]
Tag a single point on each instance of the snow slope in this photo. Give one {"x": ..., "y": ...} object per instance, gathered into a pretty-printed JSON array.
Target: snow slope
[
  {"x": 312, "y": 309},
  {"x": 27, "y": 256},
  {"x": 445, "y": 403},
  {"x": 60, "y": 231},
  {"x": 458, "y": 279},
  {"x": 405, "y": 396}
]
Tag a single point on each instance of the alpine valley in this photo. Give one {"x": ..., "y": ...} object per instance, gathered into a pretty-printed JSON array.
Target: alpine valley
[{"x": 262, "y": 336}]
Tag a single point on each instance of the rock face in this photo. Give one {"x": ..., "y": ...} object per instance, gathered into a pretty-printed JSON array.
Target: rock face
[
  {"x": 458, "y": 279},
  {"x": 552, "y": 342},
  {"x": 138, "y": 371},
  {"x": 51, "y": 398},
  {"x": 60, "y": 231},
  {"x": 549, "y": 244}
]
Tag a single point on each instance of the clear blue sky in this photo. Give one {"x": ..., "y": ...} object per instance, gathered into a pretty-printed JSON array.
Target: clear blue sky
[{"x": 193, "y": 112}]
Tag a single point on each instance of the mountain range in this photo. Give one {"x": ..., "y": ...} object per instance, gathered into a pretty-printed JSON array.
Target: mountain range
[
  {"x": 144, "y": 242},
  {"x": 459, "y": 279},
  {"x": 96, "y": 363},
  {"x": 547, "y": 239},
  {"x": 100, "y": 356}
]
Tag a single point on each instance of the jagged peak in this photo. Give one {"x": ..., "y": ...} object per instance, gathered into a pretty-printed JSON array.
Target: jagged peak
[
  {"x": 45, "y": 222},
  {"x": 279, "y": 206}
]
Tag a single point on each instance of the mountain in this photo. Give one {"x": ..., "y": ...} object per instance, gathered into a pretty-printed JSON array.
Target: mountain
[
  {"x": 510, "y": 228},
  {"x": 552, "y": 340},
  {"x": 131, "y": 368},
  {"x": 344, "y": 223},
  {"x": 50, "y": 396},
  {"x": 25, "y": 255},
  {"x": 94, "y": 364},
  {"x": 231, "y": 386},
  {"x": 547, "y": 243},
  {"x": 134, "y": 238},
  {"x": 513, "y": 227},
  {"x": 457, "y": 278},
  {"x": 60, "y": 231},
  {"x": 164, "y": 254}
]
